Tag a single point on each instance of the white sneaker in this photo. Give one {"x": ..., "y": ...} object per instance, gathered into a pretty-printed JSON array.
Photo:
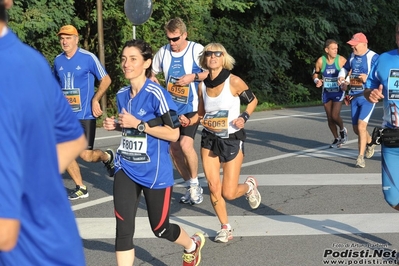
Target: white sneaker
[
  {"x": 360, "y": 163},
  {"x": 196, "y": 194},
  {"x": 369, "y": 151},
  {"x": 224, "y": 235},
  {"x": 253, "y": 196}
]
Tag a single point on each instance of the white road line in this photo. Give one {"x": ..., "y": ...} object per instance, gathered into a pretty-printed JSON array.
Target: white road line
[
  {"x": 270, "y": 225},
  {"x": 280, "y": 180}
]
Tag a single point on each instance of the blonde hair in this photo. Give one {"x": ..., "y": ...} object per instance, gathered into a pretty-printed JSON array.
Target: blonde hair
[{"x": 228, "y": 60}]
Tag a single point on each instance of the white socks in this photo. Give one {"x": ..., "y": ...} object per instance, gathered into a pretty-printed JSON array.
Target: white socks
[
  {"x": 193, "y": 247},
  {"x": 192, "y": 181}
]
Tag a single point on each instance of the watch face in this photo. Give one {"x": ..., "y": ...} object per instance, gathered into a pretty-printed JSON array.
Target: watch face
[{"x": 141, "y": 127}]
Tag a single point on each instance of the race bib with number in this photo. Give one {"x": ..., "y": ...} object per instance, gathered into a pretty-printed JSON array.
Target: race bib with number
[
  {"x": 331, "y": 84},
  {"x": 73, "y": 97},
  {"x": 356, "y": 83},
  {"x": 393, "y": 85},
  {"x": 217, "y": 123},
  {"x": 133, "y": 146},
  {"x": 179, "y": 93}
]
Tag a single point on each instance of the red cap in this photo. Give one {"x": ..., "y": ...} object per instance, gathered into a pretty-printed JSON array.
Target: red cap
[{"x": 357, "y": 38}]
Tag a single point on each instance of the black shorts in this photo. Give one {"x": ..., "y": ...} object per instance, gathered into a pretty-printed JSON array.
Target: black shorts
[
  {"x": 190, "y": 130},
  {"x": 226, "y": 149},
  {"x": 89, "y": 127}
]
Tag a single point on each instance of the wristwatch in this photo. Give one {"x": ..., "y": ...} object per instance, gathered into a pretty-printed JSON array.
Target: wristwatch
[
  {"x": 141, "y": 126},
  {"x": 196, "y": 78}
]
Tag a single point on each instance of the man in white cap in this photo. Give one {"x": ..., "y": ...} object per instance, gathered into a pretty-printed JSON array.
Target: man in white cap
[
  {"x": 357, "y": 69},
  {"x": 76, "y": 70}
]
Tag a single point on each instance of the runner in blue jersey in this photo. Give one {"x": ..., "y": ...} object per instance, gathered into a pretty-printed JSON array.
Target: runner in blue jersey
[
  {"x": 178, "y": 61},
  {"x": 356, "y": 69},
  {"x": 383, "y": 83},
  {"x": 39, "y": 136},
  {"x": 142, "y": 162},
  {"x": 76, "y": 70},
  {"x": 328, "y": 67}
]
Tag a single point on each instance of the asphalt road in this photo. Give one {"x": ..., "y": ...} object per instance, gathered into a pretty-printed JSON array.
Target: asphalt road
[{"x": 317, "y": 208}]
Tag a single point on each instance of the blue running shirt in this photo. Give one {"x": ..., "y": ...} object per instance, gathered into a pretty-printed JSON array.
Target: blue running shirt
[
  {"x": 144, "y": 158},
  {"x": 76, "y": 76},
  {"x": 386, "y": 72},
  {"x": 35, "y": 117}
]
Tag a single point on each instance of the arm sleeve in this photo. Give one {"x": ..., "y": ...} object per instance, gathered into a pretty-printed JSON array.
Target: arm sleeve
[
  {"x": 97, "y": 68},
  {"x": 345, "y": 69},
  {"x": 11, "y": 176},
  {"x": 198, "y": 49},
  {"x": 373, "y": 81},
  {"x": 157, "y": 60}
]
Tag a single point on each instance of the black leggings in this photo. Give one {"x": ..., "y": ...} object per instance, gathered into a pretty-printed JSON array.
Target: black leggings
[{"x": 126, "y": 200}]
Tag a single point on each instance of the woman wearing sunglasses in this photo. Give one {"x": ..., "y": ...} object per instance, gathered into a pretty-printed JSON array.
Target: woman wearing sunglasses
[{"x": 222, "y": 143}]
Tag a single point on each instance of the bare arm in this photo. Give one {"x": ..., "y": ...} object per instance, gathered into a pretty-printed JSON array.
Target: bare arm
[
  {"x": 188, "y": 78},
  {"x": 316, "y": 75},
  {"x": 238, "y": 86},
  {"x": 102, "y": 88},
  {"x": 69, "y": 150},
  {"x": 200, "y": 113}
]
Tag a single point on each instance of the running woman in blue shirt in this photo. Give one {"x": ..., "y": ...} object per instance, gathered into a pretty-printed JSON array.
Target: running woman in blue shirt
[
  {"x": 148, "y": 121},
  {"x": 76, "y": 70},
  {"x": 383, "y": 83},
  {"x": 329, "y": 66},
  {"x": 356, "y": 69},
  {"x": 40, "y": 136}
]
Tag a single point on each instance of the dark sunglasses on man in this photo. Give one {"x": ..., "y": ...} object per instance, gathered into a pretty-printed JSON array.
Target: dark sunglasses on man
[{"x": 174, "y": 39}]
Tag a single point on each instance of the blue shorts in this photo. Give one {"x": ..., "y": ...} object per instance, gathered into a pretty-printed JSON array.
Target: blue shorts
[
  {"x": 390, "y": 174},
  {"x": 361, "y": 109},
  {"x": 332, "y": 96}
]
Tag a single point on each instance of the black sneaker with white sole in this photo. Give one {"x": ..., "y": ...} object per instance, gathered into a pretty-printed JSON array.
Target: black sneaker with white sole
[{"x": 110, "y": 163}]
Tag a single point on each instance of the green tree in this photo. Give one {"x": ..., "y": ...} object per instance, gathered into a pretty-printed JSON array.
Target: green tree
[{"x": 275, "y": 43}]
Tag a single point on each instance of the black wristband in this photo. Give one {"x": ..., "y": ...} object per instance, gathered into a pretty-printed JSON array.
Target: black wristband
[{"x": 245, "y": 116}]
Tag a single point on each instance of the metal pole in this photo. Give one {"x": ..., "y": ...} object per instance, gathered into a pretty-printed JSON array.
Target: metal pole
[{"x": 101, "y": 56}]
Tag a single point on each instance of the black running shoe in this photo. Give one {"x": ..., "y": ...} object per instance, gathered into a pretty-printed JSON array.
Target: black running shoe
[
  {"x": 335, "y": 143},
  {"x": 110, "y": 163},
  {"x": 78, "y": 193}
]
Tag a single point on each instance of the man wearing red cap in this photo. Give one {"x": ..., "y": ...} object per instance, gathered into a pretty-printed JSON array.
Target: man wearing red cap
[
  {"x": 76, "y": 70},
  {"x": 357, "y": 68}
]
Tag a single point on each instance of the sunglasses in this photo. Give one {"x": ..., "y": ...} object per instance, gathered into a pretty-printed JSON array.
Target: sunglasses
[
  {"x": 216, "y": 53},
  {"x": 175, "y": 39}
]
